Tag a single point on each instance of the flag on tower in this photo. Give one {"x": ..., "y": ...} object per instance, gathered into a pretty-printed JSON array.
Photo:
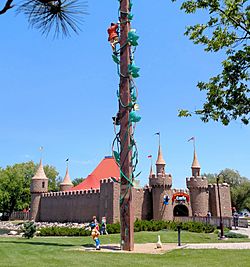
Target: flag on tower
[
  {"x": 149, "y": 156},
  {"x": 157, "y": 133},
  {"x": 67, "y": 160},
  {"x": 191, "y": 139}
]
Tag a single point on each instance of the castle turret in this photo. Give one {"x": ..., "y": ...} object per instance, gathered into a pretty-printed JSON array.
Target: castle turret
[
  {"x": 39, "y": 185},
  {"x": 160, "y": 163},
  {"x": 161, "y": 184},
  {"x": 195, "y": 166},
  {"x": 198, "y": 188},
  {"x": 66, "y": 183}
]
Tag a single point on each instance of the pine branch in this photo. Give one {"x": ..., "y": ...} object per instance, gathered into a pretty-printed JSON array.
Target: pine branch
[{"x": 6, "y": 7}]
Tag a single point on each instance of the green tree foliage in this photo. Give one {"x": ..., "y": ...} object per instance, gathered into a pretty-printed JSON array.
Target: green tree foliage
[
  {"x": 15, "y": 185},
  {"x": 227, "y": 29},
  {"x": 239, "y": 187},
  {"x": 77, "y": 181}
]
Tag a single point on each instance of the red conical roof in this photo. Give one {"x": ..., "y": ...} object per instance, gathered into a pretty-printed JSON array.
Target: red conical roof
[{"x": 107, "y": 168}]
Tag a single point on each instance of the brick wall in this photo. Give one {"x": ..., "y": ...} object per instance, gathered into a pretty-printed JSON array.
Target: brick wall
[
  {"x": 225, "y": 197},
  {"x": 198, "y": 189},
  {"x": 142, "y": 203},
  {"x": 71, "y": 206}
]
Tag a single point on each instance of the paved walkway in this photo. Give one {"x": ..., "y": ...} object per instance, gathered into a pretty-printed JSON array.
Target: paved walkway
[{"x": 219, "y": 246}]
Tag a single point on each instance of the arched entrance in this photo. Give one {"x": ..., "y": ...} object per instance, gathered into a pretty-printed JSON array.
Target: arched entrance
[{"x": 180, "y": 211}]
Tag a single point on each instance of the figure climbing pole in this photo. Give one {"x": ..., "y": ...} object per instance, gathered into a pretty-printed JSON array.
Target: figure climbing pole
[{"x": 126, "y": 155}]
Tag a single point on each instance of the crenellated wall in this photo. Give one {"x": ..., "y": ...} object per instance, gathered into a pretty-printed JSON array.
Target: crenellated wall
[
  {"x": 225, "y": 198},
  {"x": 69, "y": 206},
  {"x": 109, "y": 201},
  {"x": 81, "y": 206}
]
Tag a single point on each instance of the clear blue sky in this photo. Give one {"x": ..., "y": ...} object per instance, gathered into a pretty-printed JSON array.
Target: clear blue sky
[{"x": 61, "y": 94}]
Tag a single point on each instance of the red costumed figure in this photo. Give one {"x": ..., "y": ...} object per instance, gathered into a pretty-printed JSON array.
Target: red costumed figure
[{"x": 113, "y": 35}]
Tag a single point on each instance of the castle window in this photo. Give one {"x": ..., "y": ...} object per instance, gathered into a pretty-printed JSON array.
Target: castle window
[{"x": 43, "y": 184}]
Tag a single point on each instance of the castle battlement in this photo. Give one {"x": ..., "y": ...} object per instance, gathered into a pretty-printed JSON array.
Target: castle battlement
[
  {"x": 197, "y": 182},
  {"x": 108, "y": 180},
  {"x": 223, "y": 185},
  {"x": 71, "y": 193},
  {"x": 161, "y": 181},
  {"x": 176, "y": 190}
]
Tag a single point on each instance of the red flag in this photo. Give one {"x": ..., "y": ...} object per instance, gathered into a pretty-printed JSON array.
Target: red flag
[{"x": 149, "y": 156}]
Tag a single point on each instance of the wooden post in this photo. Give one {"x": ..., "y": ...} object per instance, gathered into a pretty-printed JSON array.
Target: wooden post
[{"x": 126, "y": 209}]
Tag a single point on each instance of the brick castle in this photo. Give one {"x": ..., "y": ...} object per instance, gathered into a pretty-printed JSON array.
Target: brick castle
[{"x": 99, "y": 195}]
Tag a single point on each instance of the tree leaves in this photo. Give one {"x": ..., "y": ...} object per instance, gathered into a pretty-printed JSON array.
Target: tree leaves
[{"x": 227, "y": 29}]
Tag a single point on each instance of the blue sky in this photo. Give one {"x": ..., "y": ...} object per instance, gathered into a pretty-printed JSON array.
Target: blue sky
[{"x": 61, "y": 94}]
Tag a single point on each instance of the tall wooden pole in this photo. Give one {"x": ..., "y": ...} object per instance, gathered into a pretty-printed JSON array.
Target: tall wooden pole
[{"x": 126, "y": 209}]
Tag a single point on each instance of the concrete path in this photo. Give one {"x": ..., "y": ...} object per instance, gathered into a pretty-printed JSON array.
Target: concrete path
[{"x": 218, "y": 246}]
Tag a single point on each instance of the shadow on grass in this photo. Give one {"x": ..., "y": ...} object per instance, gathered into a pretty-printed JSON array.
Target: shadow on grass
[
  {"x": 37, "y": 243},
  {"x": 107, "y": 247}
]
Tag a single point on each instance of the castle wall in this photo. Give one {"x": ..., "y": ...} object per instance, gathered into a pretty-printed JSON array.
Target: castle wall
[
  {"x": 109, "y": 201},
  {"x": 198, "y": 188},
  {"x": 225, "y": 198},
  {"x": 142, "y": 203},
  {"x": 160, "y": 210},
  {"x": 39, "y": 185},
  {"x": 161, "y": 186},
  {"x": 35, "y": 206},
  {"x": 70, "y": 206}
]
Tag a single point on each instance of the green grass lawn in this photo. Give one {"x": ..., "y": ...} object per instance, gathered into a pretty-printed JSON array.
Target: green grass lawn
[{"x": 62, "y": 251}]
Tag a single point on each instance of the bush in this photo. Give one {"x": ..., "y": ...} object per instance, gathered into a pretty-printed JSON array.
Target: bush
[
  {"x": 235, "y": 235},
  {"x": 139, "y": 225},
  {"x": 63, "y": 231},
  {"x": 113, "y": 228},
  {"x": 29, "y": 229}
]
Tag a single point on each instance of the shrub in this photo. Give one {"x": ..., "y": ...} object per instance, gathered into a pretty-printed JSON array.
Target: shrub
[
  {"x": 139, "y": 225},
  {"x": 235, "y": 235},
  {"x": 29, "y": 229},
  {"x": 63, "y": 231}
]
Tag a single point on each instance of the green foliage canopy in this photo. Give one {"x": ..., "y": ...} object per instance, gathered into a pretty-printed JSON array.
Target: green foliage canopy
[
  {"x": 227, "y": 29},
  {"x": 77, "y": 181}
]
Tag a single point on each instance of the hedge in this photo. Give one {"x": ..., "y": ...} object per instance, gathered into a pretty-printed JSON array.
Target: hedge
[{"x": 139, "y": 225}]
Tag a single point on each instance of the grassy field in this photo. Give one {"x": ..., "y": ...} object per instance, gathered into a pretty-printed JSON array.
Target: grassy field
[{"x": 62, "y": 251}]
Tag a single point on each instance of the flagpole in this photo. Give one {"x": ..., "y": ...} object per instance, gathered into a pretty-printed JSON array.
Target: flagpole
[
  {"x": 159, "y": 137},
  {"x": 41, "y": 152}
]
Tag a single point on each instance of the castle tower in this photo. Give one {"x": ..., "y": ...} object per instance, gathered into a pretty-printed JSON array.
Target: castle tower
[
  {"x": 160, "y": 163},
  {"x": 39, "y": 185},
  {"x": 161, "y": 184},
  {"x": 198, "y": 188},
  {"x": 195, "y": 166},
  {"x": 66, "y": 183}
]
